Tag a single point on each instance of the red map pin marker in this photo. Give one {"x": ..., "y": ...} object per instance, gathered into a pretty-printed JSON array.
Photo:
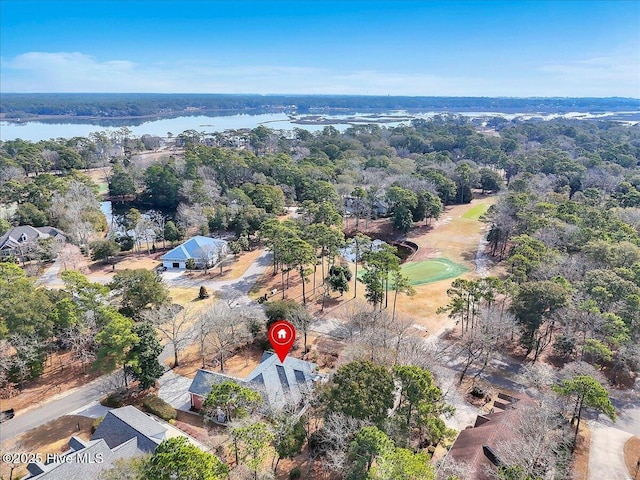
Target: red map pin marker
[{"x": 281, "y": 337}]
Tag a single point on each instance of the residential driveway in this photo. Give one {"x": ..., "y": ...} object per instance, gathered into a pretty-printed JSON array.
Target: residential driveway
[
  {"x": 240, "y": 285},
  {"x": 92, "y": 410},
  {"x": 171, "y": 275},
  {"x": 50, "y": 276},
  {"x": 606, "y": 457},
  {"x": 331, "y": 327},
  {"x": 174, "y": 389}
]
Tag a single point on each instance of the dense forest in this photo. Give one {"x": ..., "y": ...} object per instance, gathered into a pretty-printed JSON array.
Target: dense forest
[
  {"x": 106, "y": 105},
  {"x": 565, "y": 232}
]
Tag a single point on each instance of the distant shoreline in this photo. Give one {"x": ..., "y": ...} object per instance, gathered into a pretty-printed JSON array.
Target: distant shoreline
[
  {"x": 100, "y": 107},
  {"x": 159, "y": 115}
]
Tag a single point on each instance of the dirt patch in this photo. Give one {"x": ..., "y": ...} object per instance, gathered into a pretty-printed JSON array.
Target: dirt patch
[
  {"x": 188, "y": 297},
  {"x": 232, "y": 269},
  {"x": 190, "y": 418},
  {"x": 581, "y": 454},
  {"x": 632, "y": 457},
  {"x": 52, "y": 437},
  {"x": 308, "y": 468},
  {"x": 127, "y": 261},
  {"x": 239, "y": 365},
  {"x": 61, "y": 374}
]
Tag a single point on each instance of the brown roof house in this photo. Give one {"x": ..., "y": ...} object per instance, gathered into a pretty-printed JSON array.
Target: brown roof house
[{"x": 475, "y": 446}]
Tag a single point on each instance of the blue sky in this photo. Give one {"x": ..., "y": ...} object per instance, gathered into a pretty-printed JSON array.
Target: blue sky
[{"x": 483, "y": 48}]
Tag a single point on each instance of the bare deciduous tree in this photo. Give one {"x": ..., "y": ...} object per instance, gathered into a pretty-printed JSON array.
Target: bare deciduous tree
[
  {"x": 540, "y": 442},
  {"x": 376, "y": 335},
  {"x": 172, "y": 321},
  {"x": 226, "y": 328},
  {"x": 448, "y": 468},
  {"x": 81, "y": 340},
  {"x": 158, "y": 222},
  {"x": 71, "y": 208},
  {"x": 492, "y": 332},
  {"x": 335, "y": 438},
  {"x": 28, "y": 352}
]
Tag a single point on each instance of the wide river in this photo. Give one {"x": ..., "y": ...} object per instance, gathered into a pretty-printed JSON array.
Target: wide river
[
  {"x": 46, "y": 129},
  {"x": 67, "y": 128}
]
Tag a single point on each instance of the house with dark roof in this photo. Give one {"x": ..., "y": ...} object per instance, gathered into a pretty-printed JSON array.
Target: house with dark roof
[
  {"x": 205, "y": 251},
  {"x": 476, "y": 445},
  {"x": 278, "y": 382},
  {"x": 126, "y": 423},
  {"x": 16, "y": 241},
  {"x": 123, "y": 433}
]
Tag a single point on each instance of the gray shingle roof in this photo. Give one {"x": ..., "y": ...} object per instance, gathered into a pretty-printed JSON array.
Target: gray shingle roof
[
  {"x": 204, "y": 380},
  {"x": 278, "y": 382},
  {"x": 124, "y": 433},
  {"x": 11, "y": 239},
  {"x": 84, "y": 461},
  {"x": 128, "y": 422}
]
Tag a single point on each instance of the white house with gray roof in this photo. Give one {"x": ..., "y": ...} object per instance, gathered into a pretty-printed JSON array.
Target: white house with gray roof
[
  {"x": 123, "y": 433},
  {"x": 278, "y": 382},
  {"x": 16, "y": 240},
  {"x": 205, "y": 251}
]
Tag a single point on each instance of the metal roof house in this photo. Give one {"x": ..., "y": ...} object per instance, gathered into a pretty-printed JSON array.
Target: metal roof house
[
  {"x": 124, "y": 433},
  {"x": 206, "y": 251},
  {"x": 278, "y": 382}
]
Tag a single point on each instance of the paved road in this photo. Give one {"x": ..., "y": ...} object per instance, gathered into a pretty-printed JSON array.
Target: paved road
[
  {"x": 57, "y": 407},
  {"x": 84, "y": 396},
  {"x": 606, "y": 457}
]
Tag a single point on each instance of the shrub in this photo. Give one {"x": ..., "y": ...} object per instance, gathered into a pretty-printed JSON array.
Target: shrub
[
  {"x": 235, "y": 247},
  {"x": 190, "y": 264},
  {"x": 157, "y": 406},
  {"x": 295, "y": 473},
  {"x": 96, "y": 422},
  {"x": 243, "y": 243},
  {"x": 114, "y": 400}
]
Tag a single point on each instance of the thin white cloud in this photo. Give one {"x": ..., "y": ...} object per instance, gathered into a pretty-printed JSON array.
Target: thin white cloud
[
  {"x": 78, "y": 72},
  {"x": 617, "y": 74}
]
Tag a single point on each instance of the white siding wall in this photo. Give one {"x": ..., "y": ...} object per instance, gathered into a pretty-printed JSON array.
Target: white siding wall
[{"x": 169, "y": 264}]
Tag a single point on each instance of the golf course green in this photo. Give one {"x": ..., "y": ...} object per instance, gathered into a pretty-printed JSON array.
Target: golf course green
[{"x": 432, "y": 270}]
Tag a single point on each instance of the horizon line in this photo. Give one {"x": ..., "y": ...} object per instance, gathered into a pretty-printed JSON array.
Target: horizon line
[{"x": 532, "y": 97}]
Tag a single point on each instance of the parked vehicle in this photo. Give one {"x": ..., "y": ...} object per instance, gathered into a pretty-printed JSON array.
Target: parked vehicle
[{"x": 7, "y": 415}]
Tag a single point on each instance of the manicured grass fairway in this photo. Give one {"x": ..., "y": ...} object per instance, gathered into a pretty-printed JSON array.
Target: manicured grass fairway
[
  {"x": 434, "y": 270},
  {"x": 475, "y": 212}
]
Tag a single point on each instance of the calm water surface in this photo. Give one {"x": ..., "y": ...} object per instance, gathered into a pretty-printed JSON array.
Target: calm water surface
[{"x": 44, "y": 130}]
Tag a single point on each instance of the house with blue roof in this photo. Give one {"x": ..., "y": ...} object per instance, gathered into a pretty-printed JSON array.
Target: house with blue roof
[
  {"x": 205, "y": 251},
  {"x": 279, "y": 382}
]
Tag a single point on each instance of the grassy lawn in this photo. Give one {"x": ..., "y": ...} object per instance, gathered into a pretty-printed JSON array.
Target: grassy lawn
[
  {"x": 99, "y": 177},
  {"x": 475, "y": 212},
  {"x": 428, "y": 271}
]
